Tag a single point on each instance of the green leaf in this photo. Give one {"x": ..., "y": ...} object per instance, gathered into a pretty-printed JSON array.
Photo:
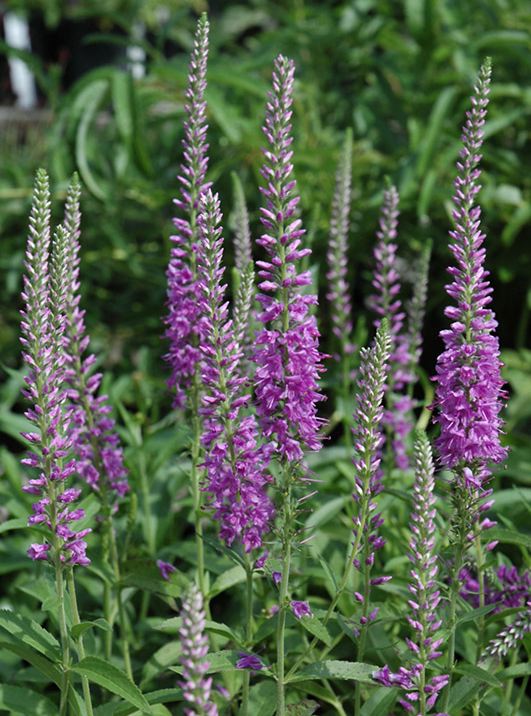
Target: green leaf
[
  {"x": 16, "y": 524},
  {"x": 506, "y": 536},
  {"x": 433, "y": 134},
  {"x": 173, "y": 625},
  {"x": 325, "y": 513},
  {"x": 90, "y": 99},
  {"x": 515, "y": 671},
  {"x": 474, "y": 614},
  {"x": 41, "y": 663},
  {"x": 234, "y": 575},
  {"x": 31, "y": 633},
  {"x": 357, "y": 671},
  {"x": 307, "y": 707},
  {"x": 479, "y": 674},
  {"x": 24, "y": 702},
  {"x": 380, "y": 702},
  {"x": 218, "y": 661},
  {"x": 79, "y": 629},
  {"x": 155, "y": 698},
  {"x": 263, "y": 699},
  {"x": 144, "y": 575},
  {"x": 113, "y": 679},
  {"x": 462, "y": 693},
  {"x": 316, "y": 628}
]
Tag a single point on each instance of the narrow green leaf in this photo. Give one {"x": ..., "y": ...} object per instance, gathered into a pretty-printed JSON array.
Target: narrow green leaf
[
  {"x": 381, "y": 701},
  {"x": 316, "y": 628},
  {"x": 79, "y": 629},
  {"x": 31, "y": 633},
  {"x": 357, "y": 671},
  {"x": 515, "y": 671},
  {"x": 173, "y": 625},
  {"x": 16, "y": 524},
  {"x": 263, "y": 699},
  {"x": 479, "y": 674},
  {"x": 91, "y": 98},
  {"x": 325, "y": 513},
  {"x": 474, "y": 614},
  {"x": 25, "y": 702},
  {"x": 506, "y": 536},
  {"x": 113, "y": 679},
  {"x": 234, "y": 575},
  {"x": 462, "y": 693}
]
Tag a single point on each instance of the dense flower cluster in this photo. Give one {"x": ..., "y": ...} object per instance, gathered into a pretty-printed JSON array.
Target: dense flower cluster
[
  {"x": 287, "y": 355},
  {"x": 96, "y": 445},
  {"x": 512, "y": 589},
  {"x": 42, "y": 327},
  {"x": 183, "y": 322},
  {"x": 235, "y": 464},
  {"x": 196, "y": 685},
  {"x": 368, "y": 441},
  {"x": 469, "y": 394},
  {"x": 337, "y": 257},
  {"x": 421, "y": 693},
  {"x": 509, "y": 637},
  {"x": 386, "y": 303}
]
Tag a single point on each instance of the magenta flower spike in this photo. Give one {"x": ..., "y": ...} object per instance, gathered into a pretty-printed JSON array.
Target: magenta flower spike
[
  {"x": 421, "y": 690},
  {"x": 287, "y": 356},
  {"x": 235, "y": 463},
  {"x": 184, "y": 322},
  {"x": 469, "y": 388},
  {"x": 386, "y": 303},
  {"x": 95, "y": 443},
  {"x": 42, "y": 335},
  {"x": 196, "y": 686}
]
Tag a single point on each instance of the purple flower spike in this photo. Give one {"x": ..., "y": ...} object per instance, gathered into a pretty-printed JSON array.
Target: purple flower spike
[
  {"x": 43, "y": 322},
  {"x": 301, "y": 609},
  {"x": 165, "y": 568},
  {"x": 386, "y": 303},
  {"x": 249, "y": 661},
  {"x": 421, "y": 691},
  {"x": 183, "y": 322},
  {"x": 96, "y": 445},
  {"x": 196, "y": 685},
  {"x": 235, "y": 463},
  {"x": 469, "y": 391},
  {"x": 287, "y": 356},
  {"x": 337, "y": 257},
  {"x": 510, "y": 636}
]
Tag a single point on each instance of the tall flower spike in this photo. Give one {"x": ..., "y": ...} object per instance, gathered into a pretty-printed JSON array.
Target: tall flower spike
[
  {"x": 421, "y": 691},
  {"x": 243, "y": 254},
  {"x": 368, "y": 440},
  {"x": 287, "y": 355},
  {"x": 95, "y": 442},
  {"x": 337, "y": 257},
  {"x": 242, "y": 308},
  {"x": 196, "y": 685},
  {"x": 416, "y": 308},
  {"x": 42, "y": 325},
  {"x": 183, "y": 322},
  {"x": 469, "y": 393},
  {"x": 509, "y": 637},
  {"x": 386, "y": 303},
  {"x": 235, "y": 464}
]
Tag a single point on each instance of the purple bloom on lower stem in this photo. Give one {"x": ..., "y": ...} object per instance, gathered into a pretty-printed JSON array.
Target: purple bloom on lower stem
[
  {"x": 235, "y": 461},
  {"x": 42, "y": 326},
  {"x": 301, "y": 609},
  {"x": 95, "y": 442},
  {"x": 196, "y": 686},
  {"x": 425, "y": 624},
  {"x": 183, "y": 322},
  {"x": 165, "y": 569},
  {"x": 469, "y": 391},
  {"x": 277, "y": 577},
  {"x": 507, "y": 588},
  {"x": 249, "y": 661},
  {"x": 287, "y": 348}
]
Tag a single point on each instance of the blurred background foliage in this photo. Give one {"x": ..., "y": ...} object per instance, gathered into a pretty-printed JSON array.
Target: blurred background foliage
[{"x": 398, "y": 73}]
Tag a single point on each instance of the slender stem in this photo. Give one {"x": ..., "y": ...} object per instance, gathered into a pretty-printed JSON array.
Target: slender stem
[
  {"x": 63, "y": 630},
  {"x": 248, "y": 634},
  {"x": 480, "y": 565},
  {"x": 80, "y": 645},
  {"x": 286, "y": 564},
  {"x": 518, "y": 702},
  {"x": 107, "y": 613},
  {"x": 364, "y": 624},
  {"x": 115, "y": 561}
]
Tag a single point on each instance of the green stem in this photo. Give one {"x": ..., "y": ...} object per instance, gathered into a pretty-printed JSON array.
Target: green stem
[
  {"x": 286, "y": 565},
  {"x": 80, "y": 645},
  {"x": 248, "y": 635},
  {"x": 63, "y": 631},
  {"x": 107, "y": 613},
  {"x": 364, "y": 624}
]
